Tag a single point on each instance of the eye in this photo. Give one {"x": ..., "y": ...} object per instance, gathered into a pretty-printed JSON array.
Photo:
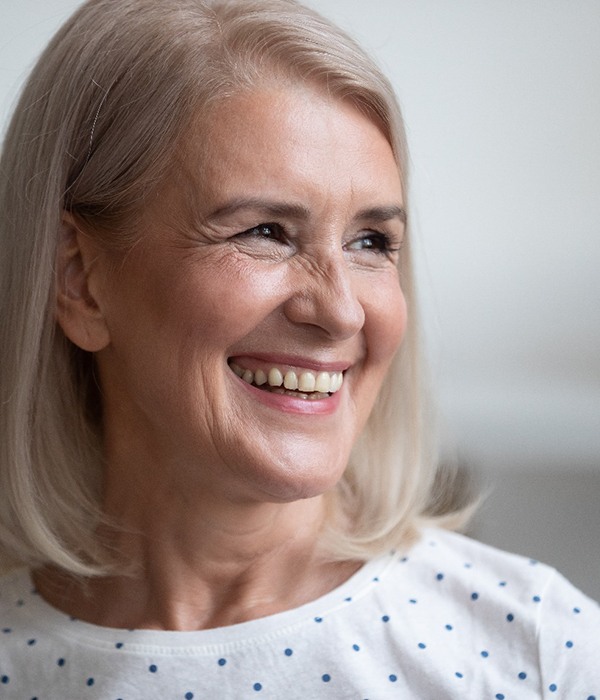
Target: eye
[
  {"x": 268, "y": 232},
  {"x": 375, "y": 242}
]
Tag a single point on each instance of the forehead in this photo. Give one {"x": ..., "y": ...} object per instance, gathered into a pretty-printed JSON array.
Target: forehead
[{"x": 295, "y": 139}]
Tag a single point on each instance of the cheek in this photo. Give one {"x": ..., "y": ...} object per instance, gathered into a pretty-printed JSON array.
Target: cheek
[
  {"x": 207, "y": 301},
  {"x": 385, "y": 321},
  {"x": 229, "y": 307}
]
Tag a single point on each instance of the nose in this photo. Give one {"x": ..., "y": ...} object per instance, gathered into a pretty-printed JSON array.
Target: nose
[{"x": 326, "y": 296}]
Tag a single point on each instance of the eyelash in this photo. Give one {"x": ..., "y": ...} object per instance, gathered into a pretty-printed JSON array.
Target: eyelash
[{"x": 383, "y": 243}]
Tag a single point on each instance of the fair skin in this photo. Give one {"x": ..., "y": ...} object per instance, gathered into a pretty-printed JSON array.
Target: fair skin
[{"x": 273, "y": 247}]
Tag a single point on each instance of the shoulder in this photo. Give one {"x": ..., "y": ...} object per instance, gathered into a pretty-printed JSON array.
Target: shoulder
[
  {"x": 455, "y": 560},
  {"x": 15, "y": 586},
  {"x": 499, "y": 605},
  {"x": 466, "y": 570},
  {"x": 17, "y": 625},
  {"x": 17, "y": 598}
]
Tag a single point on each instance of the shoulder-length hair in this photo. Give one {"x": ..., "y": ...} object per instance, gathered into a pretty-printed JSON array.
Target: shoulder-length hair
[{"x": 95, "y": 131}]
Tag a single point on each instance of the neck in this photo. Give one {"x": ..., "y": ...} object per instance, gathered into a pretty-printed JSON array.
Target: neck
[{"x": 211, "y": 567}]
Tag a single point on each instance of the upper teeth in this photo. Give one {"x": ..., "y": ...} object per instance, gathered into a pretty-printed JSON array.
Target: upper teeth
[{"x": 304, "y": 380}]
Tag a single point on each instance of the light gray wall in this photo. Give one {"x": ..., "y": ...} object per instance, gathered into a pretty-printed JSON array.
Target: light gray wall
[{"x": 502, "y": 105}]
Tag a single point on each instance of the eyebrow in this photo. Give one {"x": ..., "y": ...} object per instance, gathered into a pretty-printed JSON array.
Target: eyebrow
[
  {"x": 382, "y": 214},
  {"x": 269, "y": 207},
  {"x": 299, "y": 211}
]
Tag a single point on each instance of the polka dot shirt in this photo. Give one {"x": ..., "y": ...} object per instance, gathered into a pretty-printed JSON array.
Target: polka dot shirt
[{"x": 451, "y": 618}]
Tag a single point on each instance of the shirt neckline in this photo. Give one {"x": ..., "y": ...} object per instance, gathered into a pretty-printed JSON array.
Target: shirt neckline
[{"x": 207, "y": 641}]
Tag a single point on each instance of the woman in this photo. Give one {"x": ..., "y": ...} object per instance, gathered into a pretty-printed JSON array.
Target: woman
[{"x": 214, "y": 465}]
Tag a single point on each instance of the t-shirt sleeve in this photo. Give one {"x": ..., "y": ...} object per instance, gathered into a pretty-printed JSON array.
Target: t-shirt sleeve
[{"x": 568, "y": 634}]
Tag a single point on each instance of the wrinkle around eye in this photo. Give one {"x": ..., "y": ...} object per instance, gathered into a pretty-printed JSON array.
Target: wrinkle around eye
[{"x": 273, "y": 248}]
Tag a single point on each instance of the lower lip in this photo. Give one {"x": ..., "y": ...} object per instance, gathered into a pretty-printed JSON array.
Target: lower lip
[{"x": 289, "y": 404}]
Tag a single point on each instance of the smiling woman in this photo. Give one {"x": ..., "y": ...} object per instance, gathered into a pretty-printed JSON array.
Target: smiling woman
[
  {"x": 215, "y": 456},
  {"x": 314, "y": 301}
]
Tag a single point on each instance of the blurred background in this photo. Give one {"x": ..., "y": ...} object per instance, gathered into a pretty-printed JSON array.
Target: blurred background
[{"x": 502, "y": 107}]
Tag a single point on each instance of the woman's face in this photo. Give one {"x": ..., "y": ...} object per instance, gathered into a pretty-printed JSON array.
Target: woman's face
[{"x": 272, "y": 254}]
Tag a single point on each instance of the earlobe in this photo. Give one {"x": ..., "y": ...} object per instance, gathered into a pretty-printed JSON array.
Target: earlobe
[{"x": 78, "y": 310}]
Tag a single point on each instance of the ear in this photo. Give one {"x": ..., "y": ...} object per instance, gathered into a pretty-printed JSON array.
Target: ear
[{"x": 78, "y": 270}]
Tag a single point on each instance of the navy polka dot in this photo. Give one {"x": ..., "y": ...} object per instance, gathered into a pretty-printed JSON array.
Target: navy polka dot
[
  {"x": 257, "y": 687},
  {"x": 152, "y": 668},
  {"x": 60, "y": 662},
  {"x": 592, "y": 697},
  {"x": 356, "y": 647},
  {"x": 89, "y": 682},
  {"x": 318, "y": 619},
  {"x": 222, "y": 662},
  {"x": 522, "y": 675},
  {"x": 440, "y": 577},
  {"x": 325, "y": 678},
  {"x": 499, "y": 696},
  {"x": 449, "y": 627},
  {"x": 553, "y": 687},
  {"x": 577, "y": 610},
  {"x": 31, "y": 642},
  {"x": 485, "y": 654},
  {"x": 189, "y": 696},
  {"x": 474, "y": 596},
  {"x": 119, "y": 645},
  {"x": 393, "y": 678},
  {"x": 458, "y": 674},
  {"x": 5, "y": 680},
  {"x": 422, "y": 645},
  {"x": 536, "y": 599},
  {"x": 569, "y": 644},
  {"x": 502, "y": 584},
  {"x": 386, "y": 618},
  {"x": 510, "y": 617},
  {"x": 6, "y": 630},
  {"x": 288, "y": 652}
]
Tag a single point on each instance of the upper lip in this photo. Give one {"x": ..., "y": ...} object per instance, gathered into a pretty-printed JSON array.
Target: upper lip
[{"x": 304, "y": 362}]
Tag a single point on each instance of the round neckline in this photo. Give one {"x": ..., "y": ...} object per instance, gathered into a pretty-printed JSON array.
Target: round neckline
[{"x": 210, "y": 640}]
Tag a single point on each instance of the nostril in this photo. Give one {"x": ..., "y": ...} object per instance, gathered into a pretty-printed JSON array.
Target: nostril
[{"x": 332, "y": 307}]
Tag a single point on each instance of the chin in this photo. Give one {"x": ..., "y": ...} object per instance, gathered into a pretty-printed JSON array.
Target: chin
[
  {"x": 298, "y": 483},
  {"x": 285, "y": 466}
]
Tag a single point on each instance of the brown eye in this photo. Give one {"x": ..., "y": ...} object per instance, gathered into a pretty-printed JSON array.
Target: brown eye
[
  {"x": 376, "y": 242},
  {"x": 272, "y": 232}
]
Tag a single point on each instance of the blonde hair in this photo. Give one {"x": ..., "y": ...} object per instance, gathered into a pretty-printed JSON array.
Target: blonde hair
[{"x": 94, "y": 133}]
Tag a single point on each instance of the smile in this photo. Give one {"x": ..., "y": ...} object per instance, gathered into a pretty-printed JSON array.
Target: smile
[{"x": 299, "y": 383}]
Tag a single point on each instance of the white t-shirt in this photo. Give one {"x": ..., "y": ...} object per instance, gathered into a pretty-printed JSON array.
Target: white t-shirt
[{"x": 450, "y": 619}]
